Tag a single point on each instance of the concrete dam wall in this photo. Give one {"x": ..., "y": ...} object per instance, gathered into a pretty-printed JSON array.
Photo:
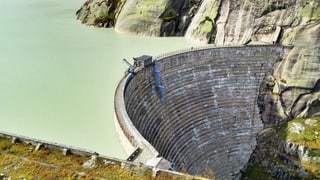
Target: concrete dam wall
[{"x": 209, "y": 119}]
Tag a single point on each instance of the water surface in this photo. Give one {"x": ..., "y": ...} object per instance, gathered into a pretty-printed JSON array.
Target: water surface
[{"x": 57, "y": 76}]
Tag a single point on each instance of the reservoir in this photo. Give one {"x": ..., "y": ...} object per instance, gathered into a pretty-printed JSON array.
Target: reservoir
[{"x": 57, "y": 76}]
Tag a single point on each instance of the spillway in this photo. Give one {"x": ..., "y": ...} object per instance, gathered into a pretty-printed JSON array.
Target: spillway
[{"x": 209, "y": 119}]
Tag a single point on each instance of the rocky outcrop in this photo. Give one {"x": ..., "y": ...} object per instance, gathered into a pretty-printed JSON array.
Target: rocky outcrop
[
  {"x": 243, "y": 22},
  {"x": 141, "y": 17},
  {"x": 204, "y": 26},
  {"x": 177, "y": 16},
  {"x": 295, "y": 82},
  {"x": 223, "y": 22},
  {"x": 292, "y": 91},
  {"x": 157, "y": 18},
  {"x": 151, "y": 18},
  {"x": 100, "y": 13},
  {"x": 290, "y": 151}
]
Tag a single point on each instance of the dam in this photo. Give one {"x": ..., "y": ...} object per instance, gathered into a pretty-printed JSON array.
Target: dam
[{"x": 209, "y": 119}]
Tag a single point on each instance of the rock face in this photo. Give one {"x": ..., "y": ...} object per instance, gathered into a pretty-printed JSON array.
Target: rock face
[
  {"x": 296, "y": 80},
  {"x": 203, "y": 27},
  {"x": 243, "y": 22},
  {"x": 177, "y": 17},
  {"x": 290, "y": 151},
  {"x": 223, "y": 22},
  {"x": 141, "y": 17},
  {"x": 100, "y": 13},
  {"x": 293, "y": 92},
  {"x": 157, "y": 18}
]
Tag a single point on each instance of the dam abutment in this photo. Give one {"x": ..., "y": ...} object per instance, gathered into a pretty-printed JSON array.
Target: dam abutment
[{"x": 209, "y": 119}]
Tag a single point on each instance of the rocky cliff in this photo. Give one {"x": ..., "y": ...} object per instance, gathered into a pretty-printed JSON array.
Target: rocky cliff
[
  {"x": 224, "y": 22},
  {"x": 142, "y": 17},
  {"x": 289, "y": 99},
  {"x": 100, "y": 13},
  {"x": 291, "y": 91}
]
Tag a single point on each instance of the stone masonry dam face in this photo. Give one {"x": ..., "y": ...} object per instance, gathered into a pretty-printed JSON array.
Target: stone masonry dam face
[{"x": 209, "y": 119}]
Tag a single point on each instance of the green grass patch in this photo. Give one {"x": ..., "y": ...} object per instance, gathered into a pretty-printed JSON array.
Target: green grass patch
[
  {"x": 310, "y": 137},
  {"x": 255, "y": 173},
  {"x": 20, "y": 160},
  {"x": 314, "y": 153}
]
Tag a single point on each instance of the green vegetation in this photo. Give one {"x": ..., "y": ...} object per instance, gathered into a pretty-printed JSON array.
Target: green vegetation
[
  {"x": 314, "y": 153},
  {"x": 270, "y": 6},
  {"x": 312, "y": 167},
  {"x": 169, "y": 14},
  {"x": 303, "y": 132},
  {"x": 316, "y": 13},
  {"x": 207, "y": 27},
  {"x": 310, "y": 137},
  {"x": 255, "y": 173},
  {"x": 310, "y": 10},
  {"x": 267, "y": 8},
  {"x": 21, "y": 160}
]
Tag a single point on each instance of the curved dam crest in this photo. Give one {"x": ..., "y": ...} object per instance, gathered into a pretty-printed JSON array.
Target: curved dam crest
[{"x": 210, "y": 117}]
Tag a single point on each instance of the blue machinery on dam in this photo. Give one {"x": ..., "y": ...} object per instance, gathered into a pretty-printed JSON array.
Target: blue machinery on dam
[
  {"x": 209, "y": 119},
  {"x": 157, "y": 76}
]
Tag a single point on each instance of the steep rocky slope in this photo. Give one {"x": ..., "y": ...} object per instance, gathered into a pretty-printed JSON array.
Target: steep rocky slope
[
  {"x": 224, "y": 22},
  {"x": 288, "y": 151},
  {"x": 289, "y": 99},
  {"x": 291, "y": 91},
  {"x": 142, "y": 17},
  {"x": 100, "y": 13},
  {"x": 251, "y": 21}
]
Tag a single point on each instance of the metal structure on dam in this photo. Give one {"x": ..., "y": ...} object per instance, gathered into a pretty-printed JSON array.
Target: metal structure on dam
[{"x": 208, "y": 122}]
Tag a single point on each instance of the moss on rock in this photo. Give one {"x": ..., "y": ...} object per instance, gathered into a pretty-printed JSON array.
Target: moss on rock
[
  {"x": 141, "y": 17},
  {"x": 169, "y": 14},
  {"x": 203, "y": 27},
  {"x": 255, "y": 173},
  {"x": 310, "y": 10},
  {"x": 290, "y": 150},
  {"x": 309, "y": 136},
  {"x": 100, "y": 13}
]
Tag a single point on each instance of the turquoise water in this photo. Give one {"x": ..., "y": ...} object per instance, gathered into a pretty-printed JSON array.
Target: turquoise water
[{"x": 57, "y": 76}]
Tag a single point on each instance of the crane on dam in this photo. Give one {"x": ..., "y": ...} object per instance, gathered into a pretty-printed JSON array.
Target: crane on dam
[
  {"x": 143, "y": 62},
  {"x": 139, "y": 63},
  {"x": 131, "y": 67}
]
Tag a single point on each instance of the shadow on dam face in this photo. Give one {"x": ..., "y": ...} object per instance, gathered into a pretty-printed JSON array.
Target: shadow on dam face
[{"x": 209, "y": 119}]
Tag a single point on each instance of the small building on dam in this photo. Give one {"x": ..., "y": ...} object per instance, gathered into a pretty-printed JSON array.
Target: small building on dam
[{"x": 195, "y": 110}]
